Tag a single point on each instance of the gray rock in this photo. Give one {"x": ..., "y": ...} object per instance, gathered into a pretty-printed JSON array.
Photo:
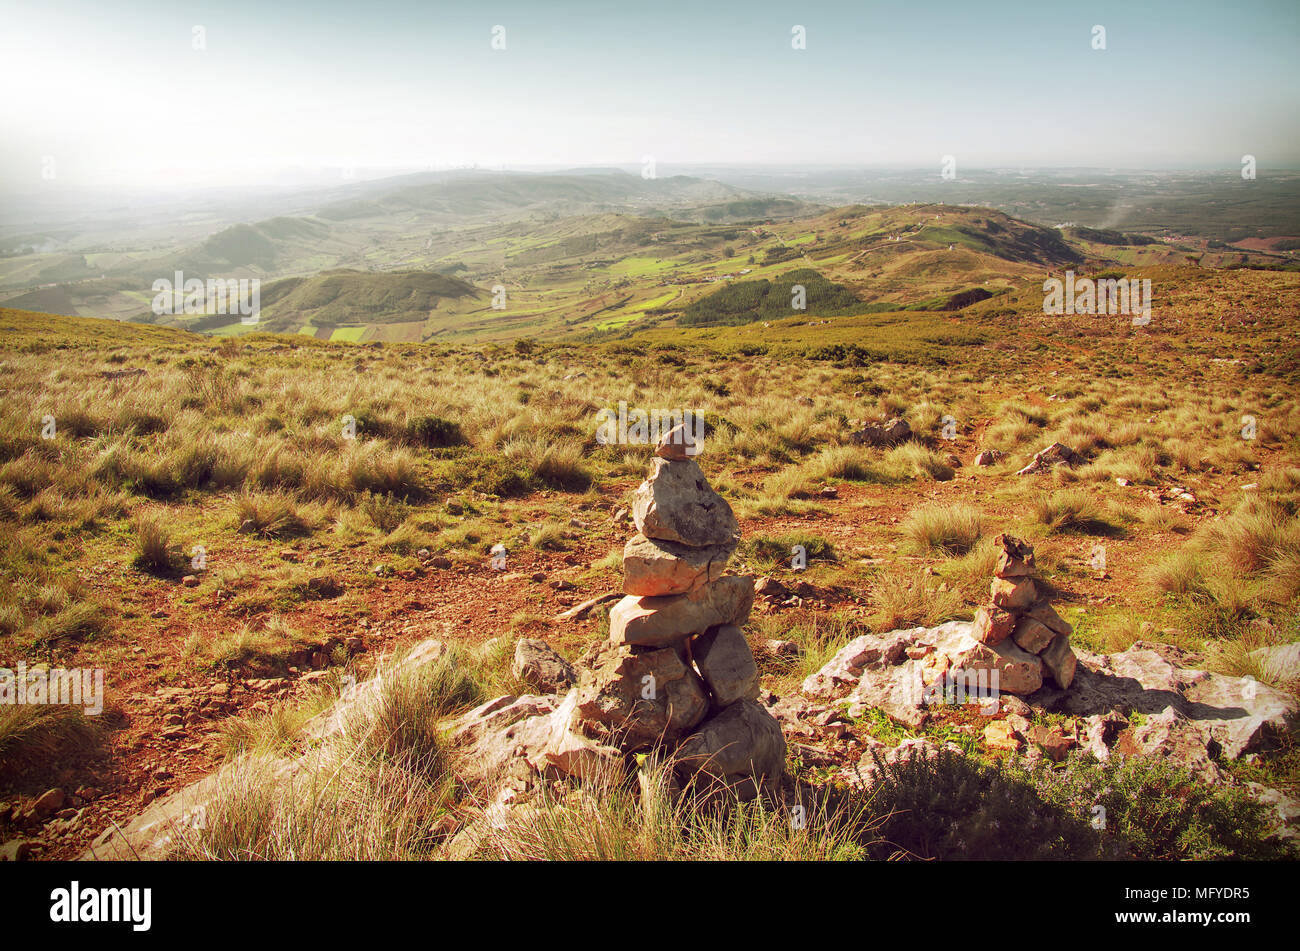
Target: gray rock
[
  {"x": 771, "y": 588},
  {"x": 1059, "y": 661},
  {"x": 1230, "y": 716},
  {"x": 16, "y": 850},
  {"x": 992, "y": 624},
  {"x": 659, "y": 622},
  {"x": 1016, "y": 560},
  {"x": 726, "y": 664},
  {"x": 48, "y": 803},
  {"x": 1032, "y": 635},
  {"x": 1162, "y": 736},
  {"x": 584, "y": 609},
  {"x": 885, "y": 434},
  {"x": 656, "y": 568},
  {"x": 870, "y": 651},
  {"x": 1056, "y": 454},
  {"x": 634, "y": 699},
  {"x": 741, "y": 747},
  {"x": 679, "y": 443},
  {"x": 496, "y": 714},
  {"x": 1045, "y": 614},
  {"x": 876, "y": 671},
  {"x": 572, "y": 753},
  {"x": 1019, "y": 672},
  {"x": 512, "y": 743},
  {"x": 510, "y": 738},
  {"x": 538, "y": 664},
  {"x": 1013, "y": 594},
  {"x": 677, "y": 504}
]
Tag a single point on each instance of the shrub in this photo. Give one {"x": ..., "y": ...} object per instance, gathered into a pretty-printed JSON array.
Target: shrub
[
  {"x": 32, "y": 736},
  {"x": 1159, "y": 811},
  {"x": 549, "y": 536},
  {"x": 154, "y": 550},
  {"x": 952, "y": 806},
  {"x": 902, "y": 601},
  {"x": 272, "y": 516},
  {"x": 490, "y": 474},
  {"x": 952, "y": 530},
  {"x": 1256, "y": 534},
  {"x": 770, "y": 552},
  {"x": 433, "y": 432},
  {"x": 916, "y": 461},
  {"x": 77, "y": 619},
  {"x": 851, "y": 463},
  {"x": 1073, "y": 510},
  {"x": 382, "y": 511}
]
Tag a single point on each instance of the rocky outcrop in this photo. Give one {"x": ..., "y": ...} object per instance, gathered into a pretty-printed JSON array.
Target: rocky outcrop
[
  {"x": 1138, "y": 702},
  {"x": 882, "y": 435},
  {"x": 1195, "y": 715},
  {"x": 1057, "y": 454}
]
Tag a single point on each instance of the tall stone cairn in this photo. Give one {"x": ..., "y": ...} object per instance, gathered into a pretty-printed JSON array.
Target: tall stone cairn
[
  {"x": 1018, "y": 612},
  {"x": 676, "y": 672}
]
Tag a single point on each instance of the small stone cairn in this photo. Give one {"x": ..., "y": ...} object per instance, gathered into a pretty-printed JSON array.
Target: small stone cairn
[
  {"x": 676, "y": 672},
  {"x": 1018, "y": 610}
]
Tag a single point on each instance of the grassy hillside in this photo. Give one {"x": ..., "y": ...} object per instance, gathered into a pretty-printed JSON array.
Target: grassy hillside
[
  {"x": 262, "y": 246},
  {"x": 746, "y": 301},
  {"x": 356, "y": 297},
  {"x": 325, "y": 304}
]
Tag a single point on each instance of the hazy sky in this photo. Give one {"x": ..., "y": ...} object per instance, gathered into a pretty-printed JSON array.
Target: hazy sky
[{"x": 116, "y": 92}]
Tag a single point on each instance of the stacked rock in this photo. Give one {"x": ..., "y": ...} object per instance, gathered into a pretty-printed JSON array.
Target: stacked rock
[
  {"x": 676, "y": 672},
  {"x": 1018, "y": 610}
]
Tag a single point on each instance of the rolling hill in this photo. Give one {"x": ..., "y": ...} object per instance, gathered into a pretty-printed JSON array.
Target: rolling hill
[
  {"x": 405, "y": 301},
  {"x": 746, "y": 301},
  {"x": 262, "y": 246}
]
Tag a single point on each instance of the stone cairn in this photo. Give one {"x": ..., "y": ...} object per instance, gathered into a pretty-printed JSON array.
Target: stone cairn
[
  {"x": 676, "y": 673},
  {"x": 1018, "y": 613}
]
